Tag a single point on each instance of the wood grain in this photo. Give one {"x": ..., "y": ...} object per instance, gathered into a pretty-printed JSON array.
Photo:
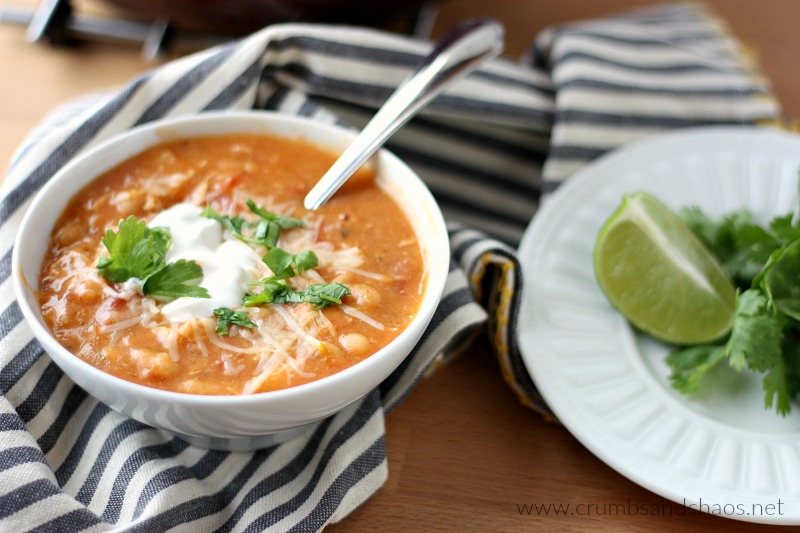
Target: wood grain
[{"x": 464, "y": 455}]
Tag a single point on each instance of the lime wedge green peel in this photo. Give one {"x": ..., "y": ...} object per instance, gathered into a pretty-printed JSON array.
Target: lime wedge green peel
[{"x": 658, "y": 274}]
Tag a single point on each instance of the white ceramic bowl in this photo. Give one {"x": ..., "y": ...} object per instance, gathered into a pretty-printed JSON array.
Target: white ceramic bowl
[{"x": 244, "y": 421}]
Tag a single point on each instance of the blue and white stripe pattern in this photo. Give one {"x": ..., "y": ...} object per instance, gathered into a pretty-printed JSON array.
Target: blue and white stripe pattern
[
  {"x": 651, "y": 70},
  {"x": 488, "y": 148}
]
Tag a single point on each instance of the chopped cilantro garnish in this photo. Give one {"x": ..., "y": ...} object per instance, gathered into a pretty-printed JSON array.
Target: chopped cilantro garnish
[
  {"x": 270, "y": 288},
  {"x": 282, "y": 221},
  {"x": 279, "y": 292},
  {"x": 137, "y": 251},
  {"x": 227, "y": 317},
  {"x": 285, "y": 265},
  {"x": 264, "y": 231},
  {"x": 233, "y": 224}
]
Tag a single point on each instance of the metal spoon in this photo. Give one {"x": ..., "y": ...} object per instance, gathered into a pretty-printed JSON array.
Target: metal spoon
[{"x": 460, "y": 51}]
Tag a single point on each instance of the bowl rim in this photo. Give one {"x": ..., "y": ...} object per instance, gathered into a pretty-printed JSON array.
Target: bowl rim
[{"x": 432, "y": 293}]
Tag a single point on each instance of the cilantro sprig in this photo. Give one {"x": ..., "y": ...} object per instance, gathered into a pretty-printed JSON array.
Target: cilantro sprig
[
  {"x": 765, "y": 264},
  {"x": 137, "y": 251},
  {"x": 285, "y": 265},
  {"x": 264, "y": 231},
  {"x": 278, "y": 291},
  {"x": 227, "y": 317}
]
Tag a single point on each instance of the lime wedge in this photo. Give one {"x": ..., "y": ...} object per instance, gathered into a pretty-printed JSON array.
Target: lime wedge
[{"x": 660, "y": 276}]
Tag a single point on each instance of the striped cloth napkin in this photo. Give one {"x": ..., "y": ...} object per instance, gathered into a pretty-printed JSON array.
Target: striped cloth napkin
[{"x": 491, "y": 148}]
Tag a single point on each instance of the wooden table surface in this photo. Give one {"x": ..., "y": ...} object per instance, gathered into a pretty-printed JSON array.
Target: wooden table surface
[{"x": 464, "y": 455}]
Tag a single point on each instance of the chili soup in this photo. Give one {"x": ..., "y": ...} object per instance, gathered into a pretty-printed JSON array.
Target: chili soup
[{"x": 194, "y": 267}]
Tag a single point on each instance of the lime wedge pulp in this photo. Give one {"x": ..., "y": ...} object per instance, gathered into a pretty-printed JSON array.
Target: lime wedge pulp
[{"x": 660, "y": 276}]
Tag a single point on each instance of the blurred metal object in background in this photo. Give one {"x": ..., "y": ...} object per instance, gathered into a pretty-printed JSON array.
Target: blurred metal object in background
[
  {"x": 240, "y": 17},
  {"x": 186, "y": 25}
]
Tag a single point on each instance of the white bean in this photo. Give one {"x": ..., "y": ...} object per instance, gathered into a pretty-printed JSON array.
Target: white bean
[
  {"x": 355, "y": 343},
  {"x": 366, "y": 296}
]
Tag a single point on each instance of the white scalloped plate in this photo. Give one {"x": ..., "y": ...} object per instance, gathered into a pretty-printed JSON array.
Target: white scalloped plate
[{"x": 718, "y": 450}]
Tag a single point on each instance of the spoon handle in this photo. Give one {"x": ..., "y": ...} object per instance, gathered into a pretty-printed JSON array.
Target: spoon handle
[{"x": 460, "y": 51}]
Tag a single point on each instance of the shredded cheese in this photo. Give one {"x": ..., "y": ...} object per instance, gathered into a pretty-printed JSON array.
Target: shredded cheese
[
  {"x": 121, "y": 324},
  {"x": 355, "y": 313},
  {"x": 292, "y": 323},
  {"x": 173, "y": 341},
  {"x": 198, "y": 339},
  {"x": 371, "y": 275}
]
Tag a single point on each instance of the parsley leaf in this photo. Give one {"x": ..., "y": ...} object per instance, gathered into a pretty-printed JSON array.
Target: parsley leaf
[
  {"x": 137, "y": 251},
  {"x": 227, "y": 317}
]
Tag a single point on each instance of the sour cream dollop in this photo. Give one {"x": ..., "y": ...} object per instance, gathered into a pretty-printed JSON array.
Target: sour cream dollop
[{"x": 228, "y": 264}]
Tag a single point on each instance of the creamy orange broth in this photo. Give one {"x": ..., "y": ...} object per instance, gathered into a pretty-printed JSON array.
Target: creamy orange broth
[{"x": 361, "y": 236}]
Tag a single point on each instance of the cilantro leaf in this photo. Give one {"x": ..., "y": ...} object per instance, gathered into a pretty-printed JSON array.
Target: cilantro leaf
[
  {"x": 285, "y": 265},
  {"x": 765, "y": 337},
  {"x": 275, "y": 289},
  {"x": 264, "y": 231},
  {"x": 689, "y": 365},
  {"x": 765, "y": 263},
  {"x": 776, "y": 388},
  {"x": 270, "y": 288},
  {"x": 136, "y": 251},
  {"x": 718, "y": 236},
  {"x": 320, "y": 295},
  {"x": 227, "y": 317},
  {"x": 754, "y": 247},
  {"x": 755, "y": 342},
  {"x": 269, "y": 227},
  {"x": 267, "y": 233},
  {"x": 283, "y": 221},
  {"x": 755, "y": 339},
  {"x": 232, "y": 224},
  {"x": 781, "y": 280},
  {"x": 742, "y": 247},
  {"x": 721, "y": 237},
  {"x": 784, "y": 229},
  {"x": 791, "y": 359},
  {"x": 171, "y": 280}
]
